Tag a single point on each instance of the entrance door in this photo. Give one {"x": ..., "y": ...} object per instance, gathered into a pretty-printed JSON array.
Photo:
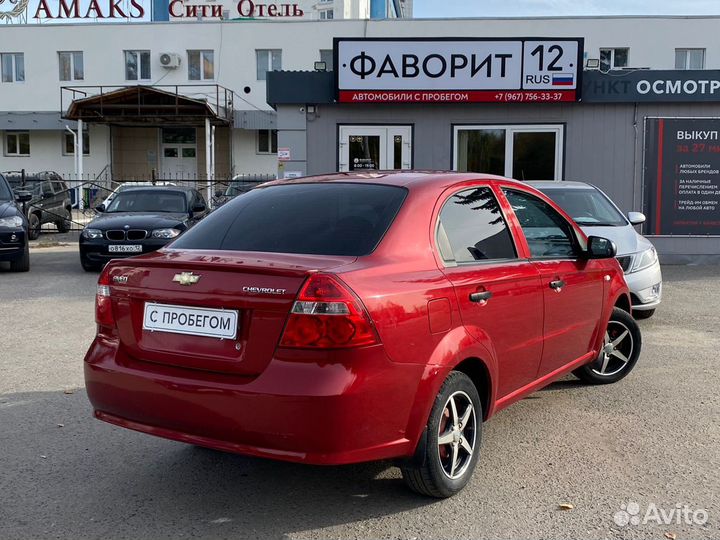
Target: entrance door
[
  {"x": 179, "y": 153},
  {"x": 375, "y": 148}
]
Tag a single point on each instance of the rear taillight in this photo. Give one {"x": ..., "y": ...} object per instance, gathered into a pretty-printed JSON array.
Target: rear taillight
[
  {"x": 103, "y": 306},
  {"x": 327, "y": 315}
]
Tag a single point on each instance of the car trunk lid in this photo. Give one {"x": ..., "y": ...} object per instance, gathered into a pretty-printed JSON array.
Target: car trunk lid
[{"x": 259, "y": 287}]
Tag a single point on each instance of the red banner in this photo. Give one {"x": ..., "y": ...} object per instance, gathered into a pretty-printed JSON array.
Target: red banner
[{"x": 456, "y": 96}]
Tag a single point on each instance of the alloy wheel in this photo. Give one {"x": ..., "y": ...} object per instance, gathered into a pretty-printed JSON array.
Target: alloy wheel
[
  {"x": 617, "y": 350},
  {"x": 457, "y": 435}
]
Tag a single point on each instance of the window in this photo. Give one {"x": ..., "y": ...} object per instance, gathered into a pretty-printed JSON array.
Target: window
[
  {"x": 137, "y": 65},
  {"x": 58, "y": 187},
  {"x": 548, "y": 234},
  {"x": 17, "y": 143},
  {"x": 326, "y": 55},
  {"x": 268, "y": 60},
  {"x": 267, "y": 141},
  {"x": 588, "y": 207},
  {"x": 71, "y": 66},
  {"x": 689, "y": 58},
  {"x": 472, "y": 228},
  {"x": 201, "y": 65},
  {"x": 327, "y": 15},
  {"x": 69, "y": 143},
  {"x": 285, "y": 219},
  {"x": 179, "y": 136},
  {"x": 521, "y": 152},
  {"x": 13, "y": 67},
  {"x": 613, "y": 58}
]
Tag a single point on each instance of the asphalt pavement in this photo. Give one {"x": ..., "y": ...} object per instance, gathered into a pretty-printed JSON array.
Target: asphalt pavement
[{"x": 649, "y": 445}]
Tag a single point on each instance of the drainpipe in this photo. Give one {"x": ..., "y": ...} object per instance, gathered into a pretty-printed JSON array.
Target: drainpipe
[
  {"x": 75, "y": 159},
  {"x": 208, "y": 159},
  {"x": 79, "y": 155},
  {"x": 211, "y": 194}
]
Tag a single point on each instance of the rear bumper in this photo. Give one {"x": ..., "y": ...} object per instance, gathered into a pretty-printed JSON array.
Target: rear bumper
[{"x": 349, "y": 411}]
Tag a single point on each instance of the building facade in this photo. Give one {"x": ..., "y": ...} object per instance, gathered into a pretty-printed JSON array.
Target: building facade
[{"x": 46, "y": 68}]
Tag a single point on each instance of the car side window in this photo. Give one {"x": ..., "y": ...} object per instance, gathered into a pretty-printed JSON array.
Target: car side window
[
  {"x": 199, "y": 199},
  {"x": 472, "y": 228},
  {"x": 548, "y": 234},
  {"x": 58, "y": 187},
  {"x": 47, "y": 189}
]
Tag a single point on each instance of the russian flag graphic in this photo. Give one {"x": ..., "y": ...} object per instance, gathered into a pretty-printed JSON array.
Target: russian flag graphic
[{"x": 563, "y": 79}]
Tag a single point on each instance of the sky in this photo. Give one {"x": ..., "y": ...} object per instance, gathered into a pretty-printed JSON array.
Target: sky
[{"x": 521, "y": 8}]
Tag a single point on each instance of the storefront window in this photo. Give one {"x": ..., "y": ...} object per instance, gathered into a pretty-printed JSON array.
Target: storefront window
[
  {"x": 482, "y": 150},
  {"x": 521, "y": 152},
  {"x": 534, "y": 156}
]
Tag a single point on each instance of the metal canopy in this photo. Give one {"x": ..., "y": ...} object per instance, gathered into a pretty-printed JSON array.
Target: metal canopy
[{"x": 149, "y": 105}]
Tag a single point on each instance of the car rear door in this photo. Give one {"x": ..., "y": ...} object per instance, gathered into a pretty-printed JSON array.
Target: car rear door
[
  {"x": 573, "y": 285},
  {"x": 499, "y": 294}
]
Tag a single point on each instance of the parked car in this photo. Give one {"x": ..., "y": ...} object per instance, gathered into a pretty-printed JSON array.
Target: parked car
[
  {"x": 358, "y": 317},
  {"x": 14, "y": 245},
  {"x": 50, "y": 202},
  {"x": 597, "y": 214},
  {"x": 238, "y": 185},
  {"x": 139, "y": 220}
]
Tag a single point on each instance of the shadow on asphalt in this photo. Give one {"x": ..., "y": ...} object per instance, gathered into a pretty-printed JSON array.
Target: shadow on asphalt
[{"x": 91, "y": 479}]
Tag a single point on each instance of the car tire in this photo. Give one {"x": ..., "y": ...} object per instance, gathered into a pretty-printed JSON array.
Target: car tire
[
  {"x": 89, "y": 266},
  {"x": 620, "y": 353},
  {"x": 441, "y": 469},
  {"x": 64, "y": 225},
  {"x": 23, "y": 263},
  {"x": 644, "y": 314},
  {"x": 34, "y": 226}
]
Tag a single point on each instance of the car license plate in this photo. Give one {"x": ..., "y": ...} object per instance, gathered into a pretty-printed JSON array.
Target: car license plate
[
  {"x": 136, "y": 248},
  {"x": 205, "y": 322}
]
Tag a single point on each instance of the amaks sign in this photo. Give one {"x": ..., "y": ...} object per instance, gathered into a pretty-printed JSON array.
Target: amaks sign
[{"x": 458, "y": 70}]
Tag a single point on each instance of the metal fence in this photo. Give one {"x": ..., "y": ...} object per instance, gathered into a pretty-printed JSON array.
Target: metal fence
[{"x": 48, "y": 207}]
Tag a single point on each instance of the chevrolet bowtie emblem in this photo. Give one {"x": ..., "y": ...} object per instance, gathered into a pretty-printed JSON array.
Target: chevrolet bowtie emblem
[{"x": 186, "y": 278}]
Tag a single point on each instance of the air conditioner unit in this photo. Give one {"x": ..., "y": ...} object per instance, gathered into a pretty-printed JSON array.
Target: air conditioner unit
[{"x": 170, "y": 60}]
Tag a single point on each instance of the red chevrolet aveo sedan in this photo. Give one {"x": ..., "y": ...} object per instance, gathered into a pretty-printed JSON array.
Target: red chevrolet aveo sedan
[{"x": 359, "y": 317}]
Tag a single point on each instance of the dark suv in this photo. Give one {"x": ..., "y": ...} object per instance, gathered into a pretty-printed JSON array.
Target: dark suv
[
  {"x": 50, "y": 201},
  {"x": 14, "y": 245}
]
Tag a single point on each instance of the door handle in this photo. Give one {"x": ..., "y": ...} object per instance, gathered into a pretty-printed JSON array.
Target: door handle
[
  {"x": 557, "y": 285},
  {"x": 481, "y": 297}
]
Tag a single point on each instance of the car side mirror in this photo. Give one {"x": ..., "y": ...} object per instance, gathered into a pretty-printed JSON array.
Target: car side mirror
[
  {"x": 23, "y": 196},
  {"x": 100, "y": 208},
  {"x": 601, "y": 248},
  {"x": 636, "y": 218},
  {"x": 198, "y": 208}
]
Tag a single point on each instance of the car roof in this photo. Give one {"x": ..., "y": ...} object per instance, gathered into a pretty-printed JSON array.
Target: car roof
[
  {"x": 553, "y": 184},
  {"x": 407, "y": 179},
  {"x": 179, "y": 189}
]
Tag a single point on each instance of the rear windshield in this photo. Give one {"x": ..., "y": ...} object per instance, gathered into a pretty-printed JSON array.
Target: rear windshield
[{"x": 314, "y": 219}]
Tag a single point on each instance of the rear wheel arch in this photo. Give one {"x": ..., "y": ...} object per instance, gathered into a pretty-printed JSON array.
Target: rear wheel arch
[{"x": 478, "y": 372}]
